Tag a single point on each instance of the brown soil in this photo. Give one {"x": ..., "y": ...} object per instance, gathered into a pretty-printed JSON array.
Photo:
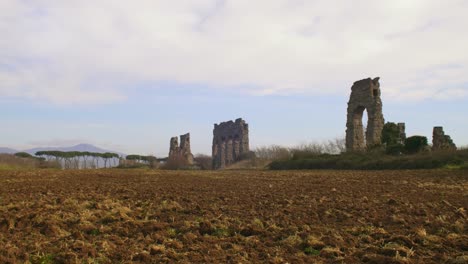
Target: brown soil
[{"x": 119, "y": 216}]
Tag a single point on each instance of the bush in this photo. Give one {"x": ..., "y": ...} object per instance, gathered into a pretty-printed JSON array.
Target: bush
[
  {"x": 204, "y": 162},
  {"x": 371, "y": 161},
  {"x": 273, "y": 152},
  {"x": 415, "y": 144}
]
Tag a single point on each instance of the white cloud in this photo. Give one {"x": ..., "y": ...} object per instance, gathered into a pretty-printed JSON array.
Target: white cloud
[{"x": 87, "y": 51}]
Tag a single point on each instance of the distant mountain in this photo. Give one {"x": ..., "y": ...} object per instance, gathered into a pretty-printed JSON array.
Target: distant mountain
[
  {"x": 79, "y": 147},
  {"x": 8, "y": 150}
]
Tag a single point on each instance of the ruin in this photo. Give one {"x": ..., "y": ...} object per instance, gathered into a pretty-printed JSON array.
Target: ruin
[
  {"x": 181, "y": 151},
  {"x": 440, "y": 141},
  {"x": 174, "y": 147},
  {"x": 230, "y": 142},
  {"x": 365, "y": 95},
  {"x": 402, "y": 135}
]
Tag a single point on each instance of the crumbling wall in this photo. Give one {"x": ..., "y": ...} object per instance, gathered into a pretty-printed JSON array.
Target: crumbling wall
[
  {"x": 183, "y": 151},
  {"x": 440, "y": 141},
  {"x": 230, "y": 142},
  {"x": 365, "y": 95},
  {"x": 174, "y": 147}
]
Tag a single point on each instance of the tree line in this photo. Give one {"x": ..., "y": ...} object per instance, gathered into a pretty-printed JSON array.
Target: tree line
[{"x": 80, "y": 159}]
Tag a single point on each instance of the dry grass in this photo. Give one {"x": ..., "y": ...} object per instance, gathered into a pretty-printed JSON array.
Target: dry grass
[{"x": 11, "y": 162}]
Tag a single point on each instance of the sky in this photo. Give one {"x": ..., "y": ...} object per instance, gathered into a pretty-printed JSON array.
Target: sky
[{"x": 128, "y": 75}]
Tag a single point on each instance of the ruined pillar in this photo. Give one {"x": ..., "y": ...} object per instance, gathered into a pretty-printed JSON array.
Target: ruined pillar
[
  {"x": 440, "y": 141},
  {"x": 183, "y": 151},
  {"x": 365, "y": 96},
  {"x": 229, "y": 152},
  {"x": 222, "y": 156},
  {"x": 174, "y": 147}
]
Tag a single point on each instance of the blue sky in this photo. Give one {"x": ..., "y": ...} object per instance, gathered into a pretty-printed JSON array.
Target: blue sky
[{"x": 129, "y": 75}]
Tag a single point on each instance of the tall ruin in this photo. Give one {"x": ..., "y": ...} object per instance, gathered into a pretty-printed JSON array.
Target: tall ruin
[
  {"x": 174, "y": 147},
  {"x": 182, "y": 151},
  {"x": 440, "y": 141},
  {"x": 365, "y": 95},
  {"x": 230, "y": 142}
]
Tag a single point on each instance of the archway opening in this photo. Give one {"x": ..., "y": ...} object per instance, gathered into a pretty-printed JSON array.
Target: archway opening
[
  {"x": 360, "y": 130},
  {"x": 365, "y": 122}
]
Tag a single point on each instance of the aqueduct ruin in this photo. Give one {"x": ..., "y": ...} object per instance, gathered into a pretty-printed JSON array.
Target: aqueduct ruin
[
  {"x": 230, "y": 142},
  {"x": 181, "y": 151},
  {"x": 365, "y": 95}
]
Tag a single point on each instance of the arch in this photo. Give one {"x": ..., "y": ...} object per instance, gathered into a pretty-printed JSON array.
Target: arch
[
  {"x": 359, "y": 133},
  {"x": 365, "y": 95}
]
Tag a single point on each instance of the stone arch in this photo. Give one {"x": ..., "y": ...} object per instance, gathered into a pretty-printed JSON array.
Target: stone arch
[{"x": 365, "y": 95}]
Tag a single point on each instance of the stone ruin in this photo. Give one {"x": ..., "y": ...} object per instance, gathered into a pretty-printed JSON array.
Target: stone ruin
[
  {"x": 181, "y": 151},
  {"x": 440, "y": 141},
  {"x": 365, "y": 95},
  {"x": 402, "y": 135},
  {"x": 230, "y": 142}
]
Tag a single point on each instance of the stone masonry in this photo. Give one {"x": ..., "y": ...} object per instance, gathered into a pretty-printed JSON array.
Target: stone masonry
[
  {"x": 183, "y": 150},
  {"x": 174, "y": 147},
  {"x": 230, "y": 142},
  {"x": 365, "y": 95},
  {"x": 440, "y": 141}
]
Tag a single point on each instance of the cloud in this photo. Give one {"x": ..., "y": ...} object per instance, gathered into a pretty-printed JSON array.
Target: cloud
[{"x": 82, "y": 52}]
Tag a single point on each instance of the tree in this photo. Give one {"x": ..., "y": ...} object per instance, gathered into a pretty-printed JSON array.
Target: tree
[
  {"x": 391, "y": 139},
  {"x": 390, "y": 134},
  {"x": 415, "y": 144},
  {"x": 106, "y": 156},
  {"x": 23, "y": 155}
]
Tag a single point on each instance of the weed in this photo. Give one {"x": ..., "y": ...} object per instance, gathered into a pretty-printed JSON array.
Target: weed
[
  {"x": 221, "y": 232},
  {"x": 171, "y": 232},
  {"x": 311, "y": 251},
  {"x": 94, "y": 232},
  {"x": 258, "y": 223},
  {"x": 293, "y": 241},
  {"x": 42, "y": 258}
]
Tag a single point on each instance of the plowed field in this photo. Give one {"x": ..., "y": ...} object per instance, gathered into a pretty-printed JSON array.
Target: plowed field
[{"x": 120, "y": 216}]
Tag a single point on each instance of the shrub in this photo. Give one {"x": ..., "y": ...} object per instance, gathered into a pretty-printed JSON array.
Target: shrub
[
  {"x": 415, "y": 144},
  {"x": 273, "y": 152},
  {"x": 371, "y": 161},
  {"x": 204, "y": 161}
]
